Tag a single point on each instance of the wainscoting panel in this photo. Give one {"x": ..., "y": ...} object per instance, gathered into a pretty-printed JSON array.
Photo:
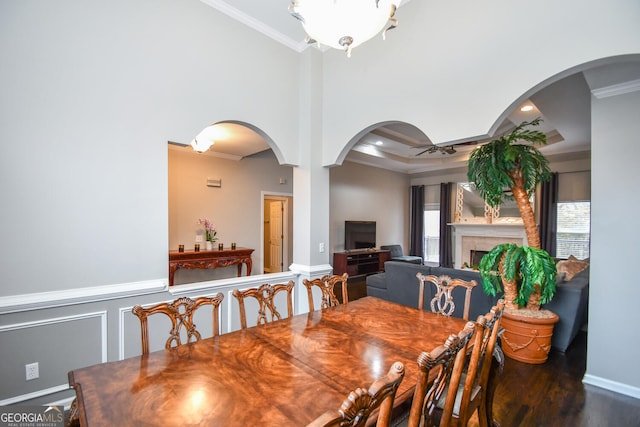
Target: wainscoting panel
[{"x": 57, "y": 344}]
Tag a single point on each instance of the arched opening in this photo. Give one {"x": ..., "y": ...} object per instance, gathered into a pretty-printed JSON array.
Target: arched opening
[{"x": 226, "y": 185}]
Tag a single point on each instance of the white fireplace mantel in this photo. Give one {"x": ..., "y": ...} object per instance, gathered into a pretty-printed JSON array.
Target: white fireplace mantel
[{"x": 482, "y": 236}]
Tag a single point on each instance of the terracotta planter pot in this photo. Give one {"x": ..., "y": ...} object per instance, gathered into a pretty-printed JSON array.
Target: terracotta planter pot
[{"x": 527, "y": 339}]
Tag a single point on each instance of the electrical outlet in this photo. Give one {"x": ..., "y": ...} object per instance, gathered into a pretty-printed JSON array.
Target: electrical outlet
[
  {"x": 198, "y": 238},
  {"x": 321, "y": 247},
  {"x": 32, "y": 371}
]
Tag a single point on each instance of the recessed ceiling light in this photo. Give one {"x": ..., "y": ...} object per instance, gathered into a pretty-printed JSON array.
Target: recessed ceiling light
[
  {"x": 370, "y": 150},
  {"x": 527, "y": 107},
  {"x": 378, "y": 143}
]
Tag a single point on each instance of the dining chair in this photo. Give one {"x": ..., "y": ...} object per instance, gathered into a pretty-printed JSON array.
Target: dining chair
[
  {"x": 472, "y": 387},
  {"x": 442, "y": 302},
  {"x": 265, "y": 295},
  {"x": 443, "y": 364},
  {"x": 358, "y": 406},
  {"x": 327, "y": 287},
  {"x": 73, "y": 419},
  {"x": 180, "y": 312}
]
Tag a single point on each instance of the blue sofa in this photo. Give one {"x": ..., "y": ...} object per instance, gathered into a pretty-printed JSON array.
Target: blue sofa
[
  {"x": 396, "y": 253},
  {"x": 398, "y": 283}
]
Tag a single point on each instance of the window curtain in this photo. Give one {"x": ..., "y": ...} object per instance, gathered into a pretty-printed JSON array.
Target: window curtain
[
  {"x": 416, "y": 224},
  {"x": 446, "y": 250},
  {"x": 548, "y": 214}
]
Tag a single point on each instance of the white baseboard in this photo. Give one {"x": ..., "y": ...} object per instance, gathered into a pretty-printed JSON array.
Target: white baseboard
[{"x": 614, "y": 386}]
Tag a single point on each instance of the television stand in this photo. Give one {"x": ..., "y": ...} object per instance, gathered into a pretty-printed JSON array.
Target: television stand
[{"x": 360, "y": 262}]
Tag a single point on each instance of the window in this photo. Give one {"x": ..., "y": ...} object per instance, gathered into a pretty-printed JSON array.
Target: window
[
  {"x": 432, "y": 224},
  {"x": 432, "y": 233},
  {"x": 573, "y": 229}
]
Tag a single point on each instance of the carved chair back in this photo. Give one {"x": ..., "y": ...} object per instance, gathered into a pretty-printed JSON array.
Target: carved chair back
[
  {"x": 473, "y": 390},
  {"x": 327, "y": 285},
  {"x": 360, "y": 403},
  {"x": 445, "y": 364},
  {"x": 180, "y": 312},
  {"x": 265, "y": 295},
  {"x": 442, "y": 302}
]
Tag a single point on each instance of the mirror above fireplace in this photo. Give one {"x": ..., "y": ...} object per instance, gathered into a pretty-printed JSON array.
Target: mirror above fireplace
[{"x": 471, "y": 208}]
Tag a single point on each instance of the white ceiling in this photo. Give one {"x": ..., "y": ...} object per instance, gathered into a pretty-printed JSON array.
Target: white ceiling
[{"x": 564, "y": 107}]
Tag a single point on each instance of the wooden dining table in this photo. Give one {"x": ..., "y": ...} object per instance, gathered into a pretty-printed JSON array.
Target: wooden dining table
[{"x": 285, "y": 373}]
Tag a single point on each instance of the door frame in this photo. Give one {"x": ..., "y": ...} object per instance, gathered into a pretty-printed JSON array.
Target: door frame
[{"x": 285, "y": 197}]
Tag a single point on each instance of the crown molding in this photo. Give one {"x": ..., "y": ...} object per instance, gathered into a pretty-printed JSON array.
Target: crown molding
[
  {"x": 256, "y": 24},
  {"x": 617, "y": 89}
]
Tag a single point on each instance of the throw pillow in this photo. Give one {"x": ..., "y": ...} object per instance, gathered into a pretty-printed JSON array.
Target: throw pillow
[{"x": 569, "y": 268}]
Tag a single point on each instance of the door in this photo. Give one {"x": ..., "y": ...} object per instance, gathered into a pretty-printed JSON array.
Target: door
[
  {"x": 280, "y": 232},
  {"x": 275, "y": 236}
]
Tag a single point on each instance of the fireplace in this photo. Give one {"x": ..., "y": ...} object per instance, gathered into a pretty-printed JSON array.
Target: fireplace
[
  {"x": 481, "y": 238},
  {"x": 475, "y": 256}
]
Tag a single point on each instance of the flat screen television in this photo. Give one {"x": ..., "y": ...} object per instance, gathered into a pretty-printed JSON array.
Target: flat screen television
[{"x": 359, "y": 235}]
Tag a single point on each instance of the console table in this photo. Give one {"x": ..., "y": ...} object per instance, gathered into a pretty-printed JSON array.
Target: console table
[{"x": 209, "y": 259}]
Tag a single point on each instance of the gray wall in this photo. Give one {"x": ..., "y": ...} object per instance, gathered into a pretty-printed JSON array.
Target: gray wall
[
  {"x": 364, "y": 193},
  {"x": 613, "y": 294},
  {"x": 92, "y": 92}
]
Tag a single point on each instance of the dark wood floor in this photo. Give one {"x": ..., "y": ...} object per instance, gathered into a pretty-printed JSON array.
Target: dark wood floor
[{"x": 553, "y": 394}]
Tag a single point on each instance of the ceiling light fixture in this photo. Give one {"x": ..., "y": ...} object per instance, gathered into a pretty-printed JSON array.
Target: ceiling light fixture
[
  {"x": 344, "y": 24},
  {"x": 207, "y": 137},
  {"x": 527, "y": 107},
  {"x": 202, "y": 145}
]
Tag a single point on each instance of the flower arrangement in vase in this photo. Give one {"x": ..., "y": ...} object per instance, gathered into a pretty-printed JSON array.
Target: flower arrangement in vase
[{"x": 210, "y": 232}]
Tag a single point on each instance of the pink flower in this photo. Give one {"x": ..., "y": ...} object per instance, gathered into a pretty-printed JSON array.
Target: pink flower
[{"x": 209, "y": 228}]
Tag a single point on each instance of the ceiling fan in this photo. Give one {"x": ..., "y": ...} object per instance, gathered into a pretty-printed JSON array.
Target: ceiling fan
[
  {"x": 434, "y": 148},
  {"x": 444, "y": 149}
]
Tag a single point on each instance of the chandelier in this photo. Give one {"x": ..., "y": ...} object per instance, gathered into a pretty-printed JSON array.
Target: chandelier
[{"x": 344, "y": 24}]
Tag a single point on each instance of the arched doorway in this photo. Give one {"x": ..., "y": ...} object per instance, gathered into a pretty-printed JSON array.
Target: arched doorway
[{"x": 226, "y": 185}]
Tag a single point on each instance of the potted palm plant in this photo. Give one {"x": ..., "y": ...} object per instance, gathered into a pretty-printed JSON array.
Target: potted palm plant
[{"x": 508, "y": 169}]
